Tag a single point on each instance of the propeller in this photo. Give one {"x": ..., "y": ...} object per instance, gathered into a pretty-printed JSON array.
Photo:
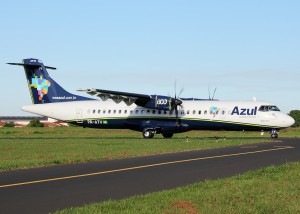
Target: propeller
[{"x": 175, "y": 102}]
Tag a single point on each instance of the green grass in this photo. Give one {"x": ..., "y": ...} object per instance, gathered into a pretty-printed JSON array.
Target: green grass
[
  {"x": 36, "y": 147},
  {"x": 270, "y": 190},
  {"x": 78, "y": 132}
]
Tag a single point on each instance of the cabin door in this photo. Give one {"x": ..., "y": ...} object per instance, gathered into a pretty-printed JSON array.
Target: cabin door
[{"x": 79, "y": 116}]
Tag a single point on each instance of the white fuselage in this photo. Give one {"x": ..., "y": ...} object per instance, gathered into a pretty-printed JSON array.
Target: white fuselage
[{"x": 244, "y": 113}]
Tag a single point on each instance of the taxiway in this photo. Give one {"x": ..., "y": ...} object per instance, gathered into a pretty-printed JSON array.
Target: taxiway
[{"x": 44, "y": 190}]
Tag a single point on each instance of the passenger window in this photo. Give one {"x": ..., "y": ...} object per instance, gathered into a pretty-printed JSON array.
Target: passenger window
[
  {"x": 182, "y": 112},
  {"x": 205, "y": 112},
  {"x": 188, "y": 111},
  {"x": 120, "y": 111},
  {"x": 94, "y": 111},
  {"x": 136, "y": 111},
  {"x": 199, "y": 112},
  {"x": 153, "y": 111},
  {"x": 99, "y": 111},
  {"x": 148, "y": 111},
  {"x": 109, "y": 111},
  {"x": 115, "y": 111},
  {"x": 125, "y": 111},
  {"x": 223, "y": 112},
  {"x": 194, "y": 111},
  {"x": 159, "y": 111},
  {"x": 104, "y": 111},
  {"x": 142, "y": 111}
]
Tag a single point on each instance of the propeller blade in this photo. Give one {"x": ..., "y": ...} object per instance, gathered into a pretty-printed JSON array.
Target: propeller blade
[
  {"x": 175, "y": 102},
  {"x": 176, "y": 113},
  {"x": 175, "y": 87},
  {"x": 180, "y": 92}
]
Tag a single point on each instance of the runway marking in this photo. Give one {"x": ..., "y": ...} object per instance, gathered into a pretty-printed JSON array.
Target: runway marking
[
  {"x": 248, "y": 147},
  {"x": 290, "y": 147},
  {"x": 143, "y": 166}
]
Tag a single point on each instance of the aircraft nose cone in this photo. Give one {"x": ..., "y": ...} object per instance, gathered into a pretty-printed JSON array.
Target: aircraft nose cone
[
  {"x": 292, "y": 121},
  {"x": 289, "y": 121}
]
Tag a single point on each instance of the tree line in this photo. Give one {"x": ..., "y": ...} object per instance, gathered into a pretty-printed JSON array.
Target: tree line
[
  {"x": 296, "y": 115},
  {"x": 32, "y": 123}
]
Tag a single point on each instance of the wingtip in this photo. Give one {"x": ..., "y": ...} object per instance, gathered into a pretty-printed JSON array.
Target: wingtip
[{"x": 11, "y": 63}]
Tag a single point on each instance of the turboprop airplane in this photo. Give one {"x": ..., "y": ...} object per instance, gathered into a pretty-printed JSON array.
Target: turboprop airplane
[{"x": 149, "y": 114}]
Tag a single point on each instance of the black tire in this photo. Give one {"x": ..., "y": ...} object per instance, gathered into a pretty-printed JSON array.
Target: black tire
[
  {"x": 167, "y": 135},
  {"x": 148, "y": 134},
  {"x": 275, "y": 135}
]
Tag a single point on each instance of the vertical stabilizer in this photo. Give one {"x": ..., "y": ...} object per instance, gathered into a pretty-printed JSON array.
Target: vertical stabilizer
[{"x": 42, "y": 88}]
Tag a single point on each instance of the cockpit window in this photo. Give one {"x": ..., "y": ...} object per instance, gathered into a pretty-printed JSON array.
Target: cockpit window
[
  {"x": 268, "y": 108},
  {"x": 262, "y": 108},
  {"x": 274, "y": 108}
]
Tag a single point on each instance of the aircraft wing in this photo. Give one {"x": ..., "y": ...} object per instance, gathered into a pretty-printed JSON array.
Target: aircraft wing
[{"x": 117, "y": 96}]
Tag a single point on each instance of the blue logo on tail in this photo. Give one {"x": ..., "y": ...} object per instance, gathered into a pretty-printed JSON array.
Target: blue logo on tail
[{"x": 41, "y": 86}]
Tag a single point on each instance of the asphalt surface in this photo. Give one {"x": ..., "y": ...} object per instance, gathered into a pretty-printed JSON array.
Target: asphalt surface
[{"x": 48, "y": 189}]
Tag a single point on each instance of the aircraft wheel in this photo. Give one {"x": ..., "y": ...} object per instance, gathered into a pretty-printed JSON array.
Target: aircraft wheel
[
  {"x": 148, "y": 134},
  {"x": 167, "y": 135},
  {"x": 275, "y": 135}
]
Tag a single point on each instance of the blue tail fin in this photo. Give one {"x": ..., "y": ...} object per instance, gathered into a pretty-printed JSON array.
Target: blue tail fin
[{"x": 43, "y": 89}]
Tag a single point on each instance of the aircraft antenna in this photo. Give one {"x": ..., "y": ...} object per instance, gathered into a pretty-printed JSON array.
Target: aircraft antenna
[{"x": 214, "y": 93}]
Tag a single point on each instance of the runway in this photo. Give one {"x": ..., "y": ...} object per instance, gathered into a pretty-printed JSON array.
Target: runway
[{"x": 48, "y": 189}]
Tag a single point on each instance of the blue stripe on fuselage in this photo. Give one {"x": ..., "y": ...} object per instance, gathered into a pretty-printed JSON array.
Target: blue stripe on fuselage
[{"x": 138, "y": 124}]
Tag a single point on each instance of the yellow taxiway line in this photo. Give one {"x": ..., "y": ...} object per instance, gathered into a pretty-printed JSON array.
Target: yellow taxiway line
[{"x": 143, "y": 166}]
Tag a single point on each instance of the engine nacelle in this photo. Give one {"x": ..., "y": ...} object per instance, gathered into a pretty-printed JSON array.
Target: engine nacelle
[{"x": 160, "y": 103}]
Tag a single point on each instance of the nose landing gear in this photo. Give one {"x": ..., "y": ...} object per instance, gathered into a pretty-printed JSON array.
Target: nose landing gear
[{"x": 274, "y": 133}]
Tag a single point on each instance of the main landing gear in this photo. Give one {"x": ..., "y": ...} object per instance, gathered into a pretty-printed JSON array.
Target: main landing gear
[
  {"x": 274, "y": 133},
  {"x": 149, "y": 133},
  {"x": 167, "y": 135}
]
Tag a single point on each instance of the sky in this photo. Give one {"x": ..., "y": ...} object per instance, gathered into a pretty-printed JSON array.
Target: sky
[{"x": 245, "y": 49}]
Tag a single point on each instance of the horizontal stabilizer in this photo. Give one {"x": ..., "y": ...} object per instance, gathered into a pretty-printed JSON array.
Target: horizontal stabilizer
[{"x": 31, "y": 65}]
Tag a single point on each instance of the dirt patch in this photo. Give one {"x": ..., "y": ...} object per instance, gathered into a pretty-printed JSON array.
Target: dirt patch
[{"x": 184, "y": 207}]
